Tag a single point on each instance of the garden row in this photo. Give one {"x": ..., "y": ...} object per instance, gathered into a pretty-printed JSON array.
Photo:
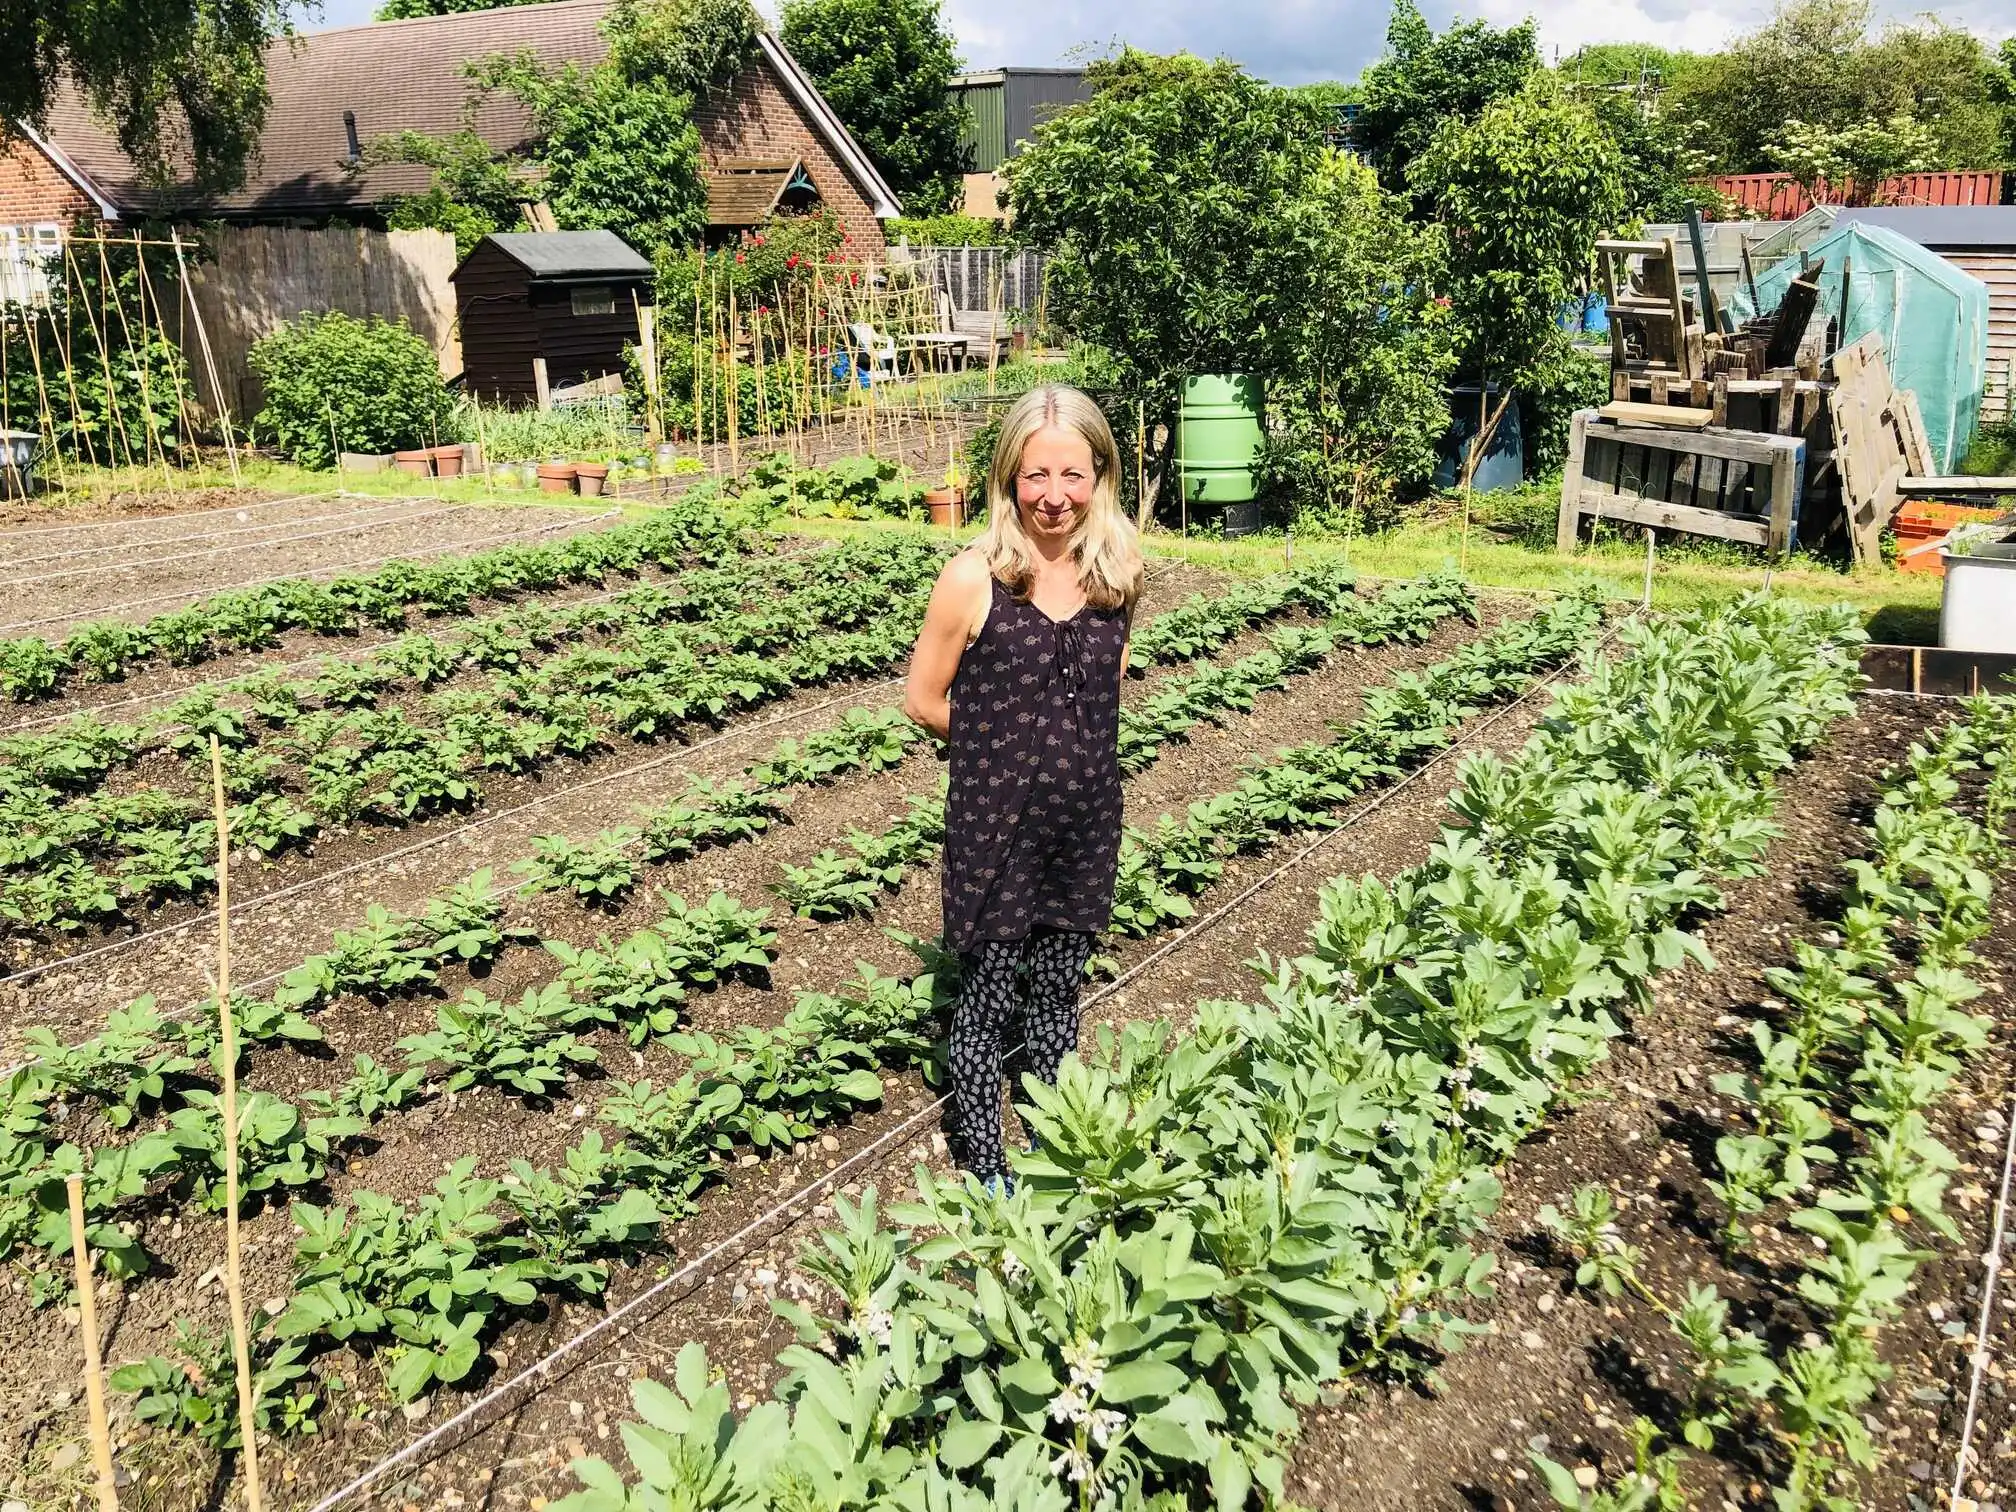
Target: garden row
[
  {"x": 700, "y": 527},
  {"x": 365, "y": 1270},
  {"x": 362, "y": 741},
  {"x": 1866, "y": 1039},
  {"x": 131, "y": 1066},
  {"x": 1212, "y": 1227}
]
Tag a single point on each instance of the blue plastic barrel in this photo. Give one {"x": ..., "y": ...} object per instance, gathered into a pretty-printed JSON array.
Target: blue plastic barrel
[{"x": 1504, "y": 464}]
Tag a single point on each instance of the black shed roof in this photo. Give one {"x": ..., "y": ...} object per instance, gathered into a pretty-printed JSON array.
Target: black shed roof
[{"x": 568, "y": 254}]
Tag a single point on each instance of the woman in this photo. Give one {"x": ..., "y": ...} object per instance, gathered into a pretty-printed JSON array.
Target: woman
[{"x": 1018, "y": 668}]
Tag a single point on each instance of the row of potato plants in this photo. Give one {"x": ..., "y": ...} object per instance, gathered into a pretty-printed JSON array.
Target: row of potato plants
[
  {"x": 701, "y": 525},
  {"x": 1865, "y": 1035},
  {"x": 295, "y": 766},
  {"x": 759, "y": 1088},
  {"x": 1214, "y": 1226},
  {"x": 129, "y": 1067},
  {"x": 837, "y": 884}
]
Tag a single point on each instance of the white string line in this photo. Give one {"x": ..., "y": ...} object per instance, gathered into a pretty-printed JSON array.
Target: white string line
[
  {"x": 209, "y": 589},
  {"x": 350, "y": 654},
  {"x": 1991, "y": 1266},
  {"x": 103, "y": 569},
  {"x": 544, "y": 1365},
  {"x": 29, "y": 973},
  {"x": 129, "y": 521},
  {"x": 203, "y": 535}
]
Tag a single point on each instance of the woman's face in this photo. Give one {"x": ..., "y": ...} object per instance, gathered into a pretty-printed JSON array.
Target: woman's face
[{"x": 1053, "y": 486}]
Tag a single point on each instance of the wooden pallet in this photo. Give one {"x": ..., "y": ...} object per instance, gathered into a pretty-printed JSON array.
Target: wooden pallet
[{"x": 1734, "y": 485}]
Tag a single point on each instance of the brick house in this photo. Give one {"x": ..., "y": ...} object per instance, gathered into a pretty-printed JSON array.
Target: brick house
[{"x": 768, "y": 140}]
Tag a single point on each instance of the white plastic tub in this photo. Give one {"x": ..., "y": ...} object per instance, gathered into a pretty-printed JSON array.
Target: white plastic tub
[{"x": 1978, "y": 609}]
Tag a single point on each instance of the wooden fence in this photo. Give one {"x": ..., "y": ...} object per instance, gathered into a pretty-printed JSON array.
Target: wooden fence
[
  {"x": 256, "y": 278},
  {"x": 1779, "y": 196},
  {"x": 984, "y": 278}
]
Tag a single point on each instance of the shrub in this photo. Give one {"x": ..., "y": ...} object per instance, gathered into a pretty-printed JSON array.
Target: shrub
[
  {"x": 362, "y": 385},
  {"x": 948, "y": 230}
]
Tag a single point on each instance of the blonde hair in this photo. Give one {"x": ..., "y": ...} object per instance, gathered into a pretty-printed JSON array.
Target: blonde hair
[{"x": 1104, "y": 544}]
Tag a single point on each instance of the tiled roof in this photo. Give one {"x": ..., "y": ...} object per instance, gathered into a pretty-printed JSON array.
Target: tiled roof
[{"x": 395, "y": 75}]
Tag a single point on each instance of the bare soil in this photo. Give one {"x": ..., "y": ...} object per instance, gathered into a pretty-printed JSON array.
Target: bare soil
[
  {"x": 414, "y": 1147},
  {"x": 48, "y": 597}
]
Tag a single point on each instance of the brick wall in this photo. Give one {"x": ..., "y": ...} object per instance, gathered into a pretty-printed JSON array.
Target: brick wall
[
  {"x": 33, "y": 189},
  {"x": 759, "y": 118}
]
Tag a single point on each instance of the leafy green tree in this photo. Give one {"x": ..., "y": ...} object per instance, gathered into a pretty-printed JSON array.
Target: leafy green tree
[
  {"x": 1522, "y": 193},
  {"x": 1828, "y": 160},
  {"x": 406, "y": 10},
  {"x": 166, "y": 74},
  {"x": 694, "y": 47},
  {"x": 615, "y": 153},
  {"x": 1426, "y": 79},
  {"x": 1815, "y": 62},
  {"x": 476, "y": 190},
  {"x": 886, "y": 68},
  {"x": 1622, "y": 84}
]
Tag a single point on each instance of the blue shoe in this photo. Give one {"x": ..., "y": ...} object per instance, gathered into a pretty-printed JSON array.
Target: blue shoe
[{"x": 1000, "y": 1187}]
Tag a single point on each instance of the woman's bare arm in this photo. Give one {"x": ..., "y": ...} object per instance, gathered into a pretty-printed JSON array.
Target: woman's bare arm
[{"x": 957, "y": 605}]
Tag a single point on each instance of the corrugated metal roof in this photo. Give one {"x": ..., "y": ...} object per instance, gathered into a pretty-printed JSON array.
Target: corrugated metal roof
[
  {"x": 1941, "y": 225},
  {"x": 568, "y": 254}
]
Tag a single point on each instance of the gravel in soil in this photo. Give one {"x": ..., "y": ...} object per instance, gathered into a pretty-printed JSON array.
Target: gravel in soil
[
  {"x": 1564, "y": 1370},
  {"x": 523, "y": 1455},
  {"x": 415, "y": 529}
]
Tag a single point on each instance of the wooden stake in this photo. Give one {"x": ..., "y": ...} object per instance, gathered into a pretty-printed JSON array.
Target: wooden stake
[
  {"x": 647, "y": 361},
  {"x": 1140, "y": 465},
  {"x": 94, "y": 1368},
  {"x": 234, "y": 1273},
  {"x": 697, "y": 337},
  {"x": 734, "y": 392}
]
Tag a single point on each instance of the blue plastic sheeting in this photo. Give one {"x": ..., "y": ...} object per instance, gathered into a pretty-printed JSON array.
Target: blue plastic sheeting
[
  {"x": 1932, "y": 317},
  {"x": 1504, "y": 464}
]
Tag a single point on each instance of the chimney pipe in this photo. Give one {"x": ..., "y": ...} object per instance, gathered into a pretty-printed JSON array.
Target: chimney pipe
[{"x": 350, "y": 134}]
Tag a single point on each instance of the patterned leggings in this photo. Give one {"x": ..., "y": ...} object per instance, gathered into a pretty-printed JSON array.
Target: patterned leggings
[{"x": 987, "y": 1002}]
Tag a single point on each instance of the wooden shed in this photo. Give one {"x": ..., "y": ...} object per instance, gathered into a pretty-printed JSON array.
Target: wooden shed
[
  {"x": 1976, "y": 239},
  {"x": 542, "y": 309}
]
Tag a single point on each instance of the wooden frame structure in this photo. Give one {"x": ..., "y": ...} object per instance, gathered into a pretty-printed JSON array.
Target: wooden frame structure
[{"x": 1736, "y": 485}]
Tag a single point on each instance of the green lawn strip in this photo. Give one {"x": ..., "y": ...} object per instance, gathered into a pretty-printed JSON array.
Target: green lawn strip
[
  {"x": 759, "y": 1087},
  {"x": 1872, "y": 1034},
  {"x": 361, "y": 762},
  {"x": 1214, "y": 1226},
  {"x": 837, "y": 884}
]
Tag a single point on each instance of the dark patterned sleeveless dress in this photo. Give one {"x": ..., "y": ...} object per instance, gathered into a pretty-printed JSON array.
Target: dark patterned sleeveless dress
[{"x": 1032, "y": 817}]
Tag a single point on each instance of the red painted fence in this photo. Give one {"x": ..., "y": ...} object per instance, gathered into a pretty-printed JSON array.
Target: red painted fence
[{"x": 1777, "y": 196}]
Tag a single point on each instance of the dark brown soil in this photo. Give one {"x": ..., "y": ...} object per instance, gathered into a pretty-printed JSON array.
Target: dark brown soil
[
  {"x": 498, "y": 1128},
  {"x": 55, "y": 513},
  {"x": 724, "y": 1301},
  {"x": 1565, "y": 1371},
  {"x": 47, "y": 598}
]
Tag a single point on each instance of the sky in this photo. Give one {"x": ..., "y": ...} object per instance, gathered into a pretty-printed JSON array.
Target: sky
[{"x": 1296, "y": 41}]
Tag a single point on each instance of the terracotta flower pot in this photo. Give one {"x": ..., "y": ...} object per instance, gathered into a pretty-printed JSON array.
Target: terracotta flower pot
[
  {"x": 947, "y": 507},
  {"x": 448, "y": 461},
  {"x": 589, "y": 478},
  {"x": 556, "y": 477},
  {"x": 415, "y": 464}
]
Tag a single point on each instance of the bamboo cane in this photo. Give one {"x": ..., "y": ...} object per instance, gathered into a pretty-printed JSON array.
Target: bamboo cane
[
  {"x": 94, "y": 1367},
  {"x": 234, "y": 1273},
  {"x": 209, "y": 358},
  {"x": 734, "y": 391},
  {"x": 48, "y": 416},
  {"x": 182, "y": 410},
  {"x": 68, "y": 343},
  {"x": 1140, "y": 465},
  {"x": 698, "y": 430},
  {"x": 154, "y": 447}
]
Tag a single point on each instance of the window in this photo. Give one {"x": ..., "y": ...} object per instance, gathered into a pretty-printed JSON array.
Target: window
[{"x": 593, "y": 299}]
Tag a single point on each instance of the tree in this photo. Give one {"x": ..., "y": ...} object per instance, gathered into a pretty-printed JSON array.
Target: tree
[
  {"x": 476, "y": 190},
  {"x": 1831, "y": 162},
  {"x": 1622, "y": 84},
  {"x": 1195, "y": 222},
  {"x": 1814, "y": 62},
  {"x": 1426, "y": 79},
  {"x": 407, "y": 10},
  {"x": 1522, "y": 193},
  {"x": 886, "y": 67},
  {"x": 181, "y": 82}
]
